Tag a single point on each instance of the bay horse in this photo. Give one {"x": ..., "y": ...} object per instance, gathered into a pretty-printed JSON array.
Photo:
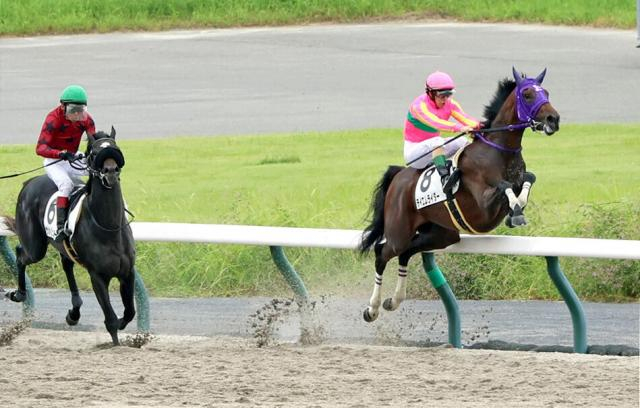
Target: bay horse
[
  {"x": 493, "y": 184},
  {"x": 102, "y": 240}
]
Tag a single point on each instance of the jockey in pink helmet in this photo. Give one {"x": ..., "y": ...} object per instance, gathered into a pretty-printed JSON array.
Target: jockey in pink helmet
[{"x": 429, "y": 114}]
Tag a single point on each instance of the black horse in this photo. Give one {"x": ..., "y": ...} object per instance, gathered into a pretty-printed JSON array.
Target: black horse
[{"x": 102, "y": 241}]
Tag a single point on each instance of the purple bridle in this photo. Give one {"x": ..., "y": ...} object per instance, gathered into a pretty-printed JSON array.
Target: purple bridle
[{"x": 525, "y": 112}]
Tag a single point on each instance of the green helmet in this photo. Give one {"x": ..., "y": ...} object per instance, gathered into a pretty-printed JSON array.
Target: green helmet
[{"x": 74, "y": 94}]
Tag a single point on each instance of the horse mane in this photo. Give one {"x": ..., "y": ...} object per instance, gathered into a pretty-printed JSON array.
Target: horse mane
[
  {"x": 100, "y": 135},
  {"x": 505, "y": 87}
]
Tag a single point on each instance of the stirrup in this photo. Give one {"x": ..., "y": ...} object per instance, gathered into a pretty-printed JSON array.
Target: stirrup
[
  {"x": 449, "y": 182},
  {"x": 61, "y": 235}
]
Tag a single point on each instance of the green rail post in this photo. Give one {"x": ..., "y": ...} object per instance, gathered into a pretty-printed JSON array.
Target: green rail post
[
  {"x": 29, "y": 305},
  {"x": 448, "y": 298},
  {"x": 142, "y": 303},
  {"x": 572, "y": 301},
  {"x": 289, "y": 273}
]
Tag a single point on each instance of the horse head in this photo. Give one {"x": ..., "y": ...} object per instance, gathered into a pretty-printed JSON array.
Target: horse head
[
  {"x": 532, "y": 103},
  {"x": 104, "y": 158}
]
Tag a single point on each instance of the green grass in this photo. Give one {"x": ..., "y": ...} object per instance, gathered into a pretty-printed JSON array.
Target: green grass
[
  {"x": 587, "y": 186},
  {"x": 27, "y": 17}
]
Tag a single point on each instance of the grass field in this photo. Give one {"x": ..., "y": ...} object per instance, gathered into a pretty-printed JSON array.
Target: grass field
[
  {"x": 28, "y": 17},
  {"x": 587, "y": 186}
]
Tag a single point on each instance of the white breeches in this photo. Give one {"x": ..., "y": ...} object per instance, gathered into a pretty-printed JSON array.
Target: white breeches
[
  {"x": 414, "y": 150},
  {"x": 65, "y": 176}
]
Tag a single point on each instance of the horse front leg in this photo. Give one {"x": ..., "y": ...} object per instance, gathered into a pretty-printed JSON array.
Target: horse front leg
[
  {"x": 73, "y": 314},
  {"x": 100, "y": 288},
  {"x": 517, "y": 203},
  {"x": 127, "y": 286}
]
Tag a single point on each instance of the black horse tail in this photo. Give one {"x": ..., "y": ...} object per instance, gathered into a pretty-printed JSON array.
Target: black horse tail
[
  {"x": 375, "y": 231},
  {"x": 8, "y": 223}
]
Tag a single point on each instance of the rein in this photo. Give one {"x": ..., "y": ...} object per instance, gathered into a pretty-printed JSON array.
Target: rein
[
  {"x": 532, "y": 124},
  {"x": 32, "y": 170}
]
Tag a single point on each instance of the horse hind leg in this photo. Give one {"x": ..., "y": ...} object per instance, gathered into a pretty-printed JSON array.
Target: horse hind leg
[
  {"x": 400, "y": 293},
  {"x": 429, "y": 239},
  {"x": 384, "y": 253},
  {"x": 73, "y": 314},
  {"x": 23, "y": 259}
]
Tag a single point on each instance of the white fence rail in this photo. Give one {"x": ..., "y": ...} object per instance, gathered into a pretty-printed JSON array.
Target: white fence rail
[{"x": 349, "y": 239}]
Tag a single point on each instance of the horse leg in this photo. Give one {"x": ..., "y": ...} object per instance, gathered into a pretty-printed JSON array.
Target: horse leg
[
  {"x": 73, "y": 314},
  {"x": 101, "y": 289},
  {"x": 515, "y": 217},
  {"x": 435, "y": 237},
  {"x": 400, "y": 293},
  {"x": 22, "y": 260},
  {"x": 127, "y": 286}
]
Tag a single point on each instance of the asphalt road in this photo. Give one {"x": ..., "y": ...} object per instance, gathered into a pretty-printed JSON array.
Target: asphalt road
[{"x": 311, "y": 78}]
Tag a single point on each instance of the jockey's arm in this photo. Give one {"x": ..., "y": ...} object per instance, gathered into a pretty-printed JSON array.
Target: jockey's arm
[
  {"x": 422, "y": 113},
  {"x": 43, "y": 147},
  {"x": 463, "y": 117}
]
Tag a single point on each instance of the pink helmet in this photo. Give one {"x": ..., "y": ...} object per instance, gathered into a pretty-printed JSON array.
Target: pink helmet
[{"x": 439, "y": 81}]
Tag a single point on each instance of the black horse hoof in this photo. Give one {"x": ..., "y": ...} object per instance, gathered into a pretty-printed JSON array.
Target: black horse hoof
[
  {"x": 17, "y": 296},
  {"x": 518, "y": 221},
  {"x": 72, "y": 318},
  {"x": 388, "y": 304},
  {"x": 530, "y": 177},
  {"x": 367, "y": 317}
]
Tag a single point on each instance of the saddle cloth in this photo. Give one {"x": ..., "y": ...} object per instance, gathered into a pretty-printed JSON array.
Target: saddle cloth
[
  {"x": 429, "y": 186},
  {"x": 50, "y": 220}
]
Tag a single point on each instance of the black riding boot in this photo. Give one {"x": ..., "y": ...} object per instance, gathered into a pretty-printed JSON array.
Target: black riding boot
[{"x": 61, "y": 234}]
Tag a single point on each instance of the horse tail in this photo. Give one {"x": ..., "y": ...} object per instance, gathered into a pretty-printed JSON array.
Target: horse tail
[
  {"x": 8, "y": 223},
  {"x": 374, "y": 232}
]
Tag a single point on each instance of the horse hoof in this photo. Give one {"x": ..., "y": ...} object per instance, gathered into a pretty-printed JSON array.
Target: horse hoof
[
  {"x": 530, "y": 177},
  {"x": 72, "y": 318},
  {"x": 367, "y": 317},
  {"x": 16, "y": 296},
  {"x": 388, "y": 305},
  {"x": 508, "y": 222}
]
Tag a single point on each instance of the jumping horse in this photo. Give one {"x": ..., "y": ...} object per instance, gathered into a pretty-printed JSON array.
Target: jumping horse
[
  {"x": 102, "y": 241},
  {"x": 494, "y": 184}
]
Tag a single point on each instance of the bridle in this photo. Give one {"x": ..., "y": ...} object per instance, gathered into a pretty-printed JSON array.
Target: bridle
[
  {"x": 102, "y": 149},
  {"x": 526, "y": 112}
]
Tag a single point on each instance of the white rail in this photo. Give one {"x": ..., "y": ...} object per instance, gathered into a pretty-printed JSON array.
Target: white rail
[{"x": 349, "y": 239}]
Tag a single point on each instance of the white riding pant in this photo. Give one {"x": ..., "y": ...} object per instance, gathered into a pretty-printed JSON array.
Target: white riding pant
[
  {"x": 415, "y": 150},
  {"x": 65, "y": 176}
]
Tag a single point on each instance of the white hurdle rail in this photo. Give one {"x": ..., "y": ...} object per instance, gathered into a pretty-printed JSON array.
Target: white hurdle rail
[{"x": 277, "y": 237}]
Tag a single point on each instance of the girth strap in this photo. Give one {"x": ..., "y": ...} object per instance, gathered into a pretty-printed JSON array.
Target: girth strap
[{"x": 457, "y": 217}]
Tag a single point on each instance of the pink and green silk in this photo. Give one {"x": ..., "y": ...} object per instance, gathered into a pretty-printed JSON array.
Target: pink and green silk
[{"x": 425, "y": 120}]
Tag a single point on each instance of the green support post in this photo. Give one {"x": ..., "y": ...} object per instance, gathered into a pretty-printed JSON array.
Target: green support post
[
  {"x": 448, "y": 298},
  {"x": 572, "y": 301},
  {"x": 29, "y": 305},
  {"x": 142, "y": 303},
  {"x": 289, "y": 273}
]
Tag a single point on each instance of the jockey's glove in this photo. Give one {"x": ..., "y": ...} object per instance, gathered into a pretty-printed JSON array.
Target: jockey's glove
[{"x": 68, "y": 156}]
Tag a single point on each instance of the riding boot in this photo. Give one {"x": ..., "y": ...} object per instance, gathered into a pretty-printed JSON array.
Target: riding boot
[
  {"x": 443, "y": 169},
  {"x": 61, "y": 213}
]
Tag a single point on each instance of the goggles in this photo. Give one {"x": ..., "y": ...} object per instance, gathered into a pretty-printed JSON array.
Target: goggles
[
  {"x": 75, "y": 112},
  {"x": 76, "y": 108},
  {"x": 445, "y": 92}
]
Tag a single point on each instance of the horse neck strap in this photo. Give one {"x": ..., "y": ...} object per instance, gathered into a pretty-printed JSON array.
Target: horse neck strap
[{"x": 497, "y": 146}]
